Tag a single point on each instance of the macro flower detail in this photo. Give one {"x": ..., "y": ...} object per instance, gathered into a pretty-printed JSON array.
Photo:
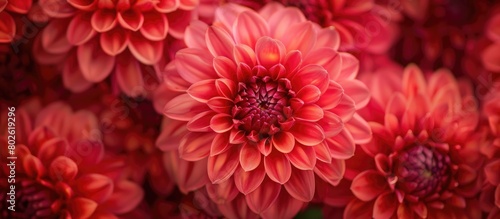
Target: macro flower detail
[
  {"x": 264, "y": 112},
  {"x": 62, "y": 170},
  {"x": 93, "y": 39},
  {"x": 422, "y": 160},
  {"x": 8, "y": 28}
]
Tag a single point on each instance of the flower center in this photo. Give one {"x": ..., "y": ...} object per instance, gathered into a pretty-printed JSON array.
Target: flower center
[
  {"x": 32, "y": 200},
  {"x": 422, "y": 171},
  {"x": 262, "y": 105}
]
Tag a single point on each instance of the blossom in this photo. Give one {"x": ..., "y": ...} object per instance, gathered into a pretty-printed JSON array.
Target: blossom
[
  {"x": 423, "y": 159},
  {"x": 61, "y": 168},
  {"x": 8, "y": 27},
  {"x": 92, "y": 39},
  {"x": 257, "y": 113}
]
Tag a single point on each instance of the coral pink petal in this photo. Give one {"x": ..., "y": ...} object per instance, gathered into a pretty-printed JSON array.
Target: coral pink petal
[
  {"x": 332, "y": 97},
  {"x": 224, "y": 67},
  {"x": 155, "y": 26},
  {"x": 330, "y": 172},
  {"x": 278, "y": 167},
  {"x": 128, "y": 74},
  {"x": 220, "y": 104},
  {"x": 195, "y": 146},
  {"x": 283, "y": 141},
  {"x": 94, "y": 186},
  {"x": 345, "y": 108},
  {"x": 103, "y": 20},
  {"x": 113, "y": 42},
  {"x": 194, "y": 65},
  {"x": 84, "y": 5},
  {"x": 303, "y": 39},
  {"x": 309, "y": 94},
  {"x": 63, "y": 169},
  {"x": 249, "y": 27},
  {"x": 226, "y": 87},
  {"x": 222, "y": 193},
  {"x": 307, "y": 133},
  {"x": 269, "y": 52},
  {"x": 302, "y": 157},
  {"x": 311, "y": 75},
  {"x": 322, "y": 153},
  {"x": 238, "y": 208},
  {"x": 221, "y": 123},
  {"x": 328, "y": 58},
  {"x": 227, "y": 14},
  {"x": 245, "y": 54},
  {"x": 309, "y": 113},
  {"x": 284, "y": 207},
  {"x": 331, "y": 123},
  {"x": 328, "y": 37},
  {"x": 126, "y": 196},
  {"x": 189, "y": 176},
  {"x": 219, "y": 42},
  {"x": 350, "y": 66},
  {"x": 63, "y": 9},
  {"x": 73, "y": 78},
  {"x": 188, "y": 4},
  {"x": 222, "y": 166},
  {"x": 250, "y": 157},
  {"x": 360, "y": 130},
  {"x": 342, "y": 145},
  {"x": 51, "y": 149},
  {"x": 194, "y": 36},
  {"x": 183, "y": 108},
  {"x": 368, "y": 185},
  {"x": 272, "y": 8},
  {"x": 202, "y": 91},
  {"x": 281, "y": 21},
  {"x": 201, "y": 123},
  {"x": 359, "y": 209},
  {"x": 130, "y": 19},
  {"x": 54, "y": 37},
  {"x": 385, "y": 205},
  {"x": 301, "y": 185},
  {"x": 166, "y": 6},
  {"x": 178, "y": 21},
  {"x": 248, "y": 181},
  {"x": 413, "y": 80},
  {"x": 33, "y": 166},
  {"x": 358, "y": 91},
  {"x": 146, "y": 51},
  {"x": 81, "y": 207},
  {"x": 220, "y": 143},
  {"x": 491, "y": 58},
  {"x": 94, "y": 63},
  {"x": 264, "y": 196},
  {"x": 7, "y": 28}
]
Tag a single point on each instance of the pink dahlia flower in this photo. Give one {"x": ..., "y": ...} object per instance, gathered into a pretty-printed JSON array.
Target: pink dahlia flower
[
  {"x": 423, "y": 159},
  {"x": 257, "y": 113},
  {"x": 94, "y": 38},
  {"x": 490, "y": 196},
  {"x": 61, "y": 169}
]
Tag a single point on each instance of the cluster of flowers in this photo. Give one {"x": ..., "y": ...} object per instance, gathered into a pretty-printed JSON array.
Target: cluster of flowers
[{"x": 252, "y": 109}]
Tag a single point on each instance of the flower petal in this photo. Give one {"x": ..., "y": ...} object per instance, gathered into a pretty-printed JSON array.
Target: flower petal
[
  {"x": 221, "y": 167},
  {"x": 250, "y": 157},
  {"x": 278, "y": 167},
  {"x": 51, "y": 149},
  {"x": 309, "y": 113},
  {"x": 220, "y": 144},
  {"x": 385, "y": 205},
  {"x": 222, "y": 193},
  {"x": 281, "y": 20},
  {"x": 330, "y": 172},
  {"x": 245, "y": 54},
  {"x": 307, "y": 133},
  {"x": 342, "y": 145},
  {"x": 249, "y": 27},
  {"x": 283, "y": 141},
  {"x": 359, "y": 129},
  {"x": 490, "y": 57},
  {"x": 128, "y": 74},
  {"x": 368, "y": 185},
  {"x": 311, "y": 75},
  {"x": 302, "y": 157},
  {"x": 269, "y": 52},
  {"x": 219, "y": 42},
  {"x": 146, "y": 51},
  {"x": 194, "y": 65},
  {"x": 413, "y": 80},
  {"x": 63, "y": 169},
  {"x": 126, "y": 196},
  {"x": 7, "y": 28},
  {"x": 183, "y": 108},
  {"x": 283, "y": 207},
  {"x": 309, "y": 94},
  {"x": 54, "y": 38},
  {"x": 81, "y": 207},
  {"x": 96, "y": 187},
  {"x": 220, "y": 104},
  {"x": 221, "y": 123},
  {"x": 94, "y": 63},
  {"x": 195, "y": 146},
  {"x": 264, "y": 196},
  {"x": 130, "y": 19},
  {"x": 166, "y": 6},
  {"x": 155, "y": 26},
  {"x": 73, "y": 78},
  {"x": 200, "y": 122},
  {"x": 194, "y": 36},
  {"x": 248, "y": 181},
  {"x": 301, "y": 185},
  {"x": 358, "y": 91},
  {"x": 103, "y": 20},
  {"x": 303, "y": 39},
  {"x": 113, "y": 42}
]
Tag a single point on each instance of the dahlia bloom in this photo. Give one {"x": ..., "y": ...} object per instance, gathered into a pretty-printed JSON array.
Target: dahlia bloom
[
  {"x": 8, "y": 27},
  {"x": 62, "y": 170},
  {"x": 257, "y": 113},
  {"x": 94, "y": 38},
  {"x": 490, "y": 196},
  {"x": 423, "y": 159}
]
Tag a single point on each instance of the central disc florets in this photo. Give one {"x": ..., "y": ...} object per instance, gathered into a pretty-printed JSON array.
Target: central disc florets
[
  {"x": 262, "y": 105},
  {"x": 422, "y": 171}
]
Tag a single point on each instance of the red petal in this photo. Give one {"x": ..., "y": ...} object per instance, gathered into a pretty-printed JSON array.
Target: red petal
[
  {"x": 189, "y": 4},
  {"x": 194, "y": 36},
  {"x": 360, "y": 130},
  {"x": 54, "y": 38},
  {"x": 189, "y": 176},
  {"x": 309, "y": 113},
  {"x": 249, "y": 27},
  {"x": 302, "y": 157},
  {"x": 183, "y": 108},
  {"x": 33, "y": 167},
  {"x": 224, "y": 67},
  {"x": 103, "y": 20},
  {"x": 113, "y": 42},
  {"x": 200, "y": 122},
  {"x": 155, "y": 26},
  {"x": 490, "y": 57},
  {"x": 368, "y": 185},
  {"x": 328, "y": 58},
  {"x": 80, "y": 30},
  {"x": 250, "y": 157},
  {"x": 220, "y": 104},
  {"x": 221, "y": 123},
  {"x": 128, "y": 74},
  {"x": 283, "y": 207},
  {"x": 222, "y": 166},
  {"x": 350, "y": 67},
  {"x": 311, "y": 75},
  {"x": 238, "y": 208},
  {"x": 248, "y": 181},
  {"x": 303, "y": 39},
  {"x": 359, "y": 209},
  {"x": 413, "y": 80},
  {"x": 131, "y": 19},
  {"x": 226, "y": 87},
  {"x": 245, "y": 54},
  {"x": 94, "y": 63},
  {"x": 269, "y": 52},
  {"x": 194, "y": 65},
  {"x": 332, "y": 96},
  {"x": 96, "y": 187},
  {"x": 322, "y": 152},
  {"x": 331, "y": 124},
  {"x": 166, "y": 6},
  {"x": 219, "y": 42},
  {"x": 358, "y": 91},
  {"x": 264, "y": 196},
  {"x": 222, "y": 193},
  {"x": 309, "y": 94},
  {"x": 63, "y": 169},
  {"x": 330, "y": 172},
  {"x": 146, "y": 51},
  {"x": 7, "y": 28},
  {"x": 491, "y": 170},
  {"x": 220, "y": 144},
  {"x": 421, "y": 209},
  {"x": 20, "y": 7},
  {"x": 307, "y": 133},
  {"x": 202, "y": 91},
  {"x": 301, "y": 185},
  {"x": 178, "y": 21},
  {"x": 126, "y": 196},
  {"x": 281, "y": 20},
  {"x": 345, "y": 108},
  {"x": 283, "y": 142},
  {"x": 81, "y": 207},
  {"x": 385, "y": 206},
  {"x": 51, "y": 149},
  {"x": 195, "y": 146},
  {"x": 84, "y": 5},
  {"x": 328, "y": 37},
  {"x": 73, "y": 78},
  {"x": 278, "y": 167}
]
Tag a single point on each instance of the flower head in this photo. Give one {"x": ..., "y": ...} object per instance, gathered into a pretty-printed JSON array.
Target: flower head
[
  {"x": 261, "y": 112},
  {"x": 62, "y": 170}
]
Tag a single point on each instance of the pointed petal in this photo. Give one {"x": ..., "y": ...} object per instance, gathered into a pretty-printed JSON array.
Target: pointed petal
[
  {"x": 358, "y": 91},
  {"x": 219, "y": 42},
  {"x": 309, "y": 94},
  {"x": 368, "y": 185},
  {"x": 224, "y": 67},
  {"x": 202, "y": 91},
  {"x": 281, "y": 20},
  {"x": 330, "y": 172},
  {"x": 245, "y": 54},
  {"x": 359, "y": 209},
  {"x": 189, "y": 176},
  {"x": 302, "y": 157},
  {"x": 221, "y": 123},
  {"x": 166, "y": 6},
  {"x": 250, "y": 157},
  {"x": 248, "y": 181},
  {"x": 328, "y": 37},
  {"x": 155, "y": 26},
  {"x": 220, "y": 105},
  {"x": 309, "y": 113},
  {"x": 311, "y": 75},
  {"x": 220, "y": 144},
  {"x": 269, "y": 52},
  {"x": 103, "y": 20},
  {"x": 81, "y": 207},
  {"x": 200, "y": 122},
  {"x": 94, "y": 63},
  {"x": 301, "y": 185},
  {"x": 63, "y": 169},
  {"x": 130, "y": 19},
  {"x": 113, "y": 42},
  {"x": 222, "y": 166},
  {"x": 194, "y": 36},
  {"x": 283, "y": 142},
  {"x": 195, "y": 146},
  {"x": 359, "y": 129},
  {"x": 385, "y": 205},
  {"x": 183, "y": 108},
  {"x": 322, "y": 153},
  {"x": 249, "y": 27},
  {"x": 264, "y": 196},
  {"x": 7, "y": 28},
  {"x": 51, "y": 149},
  {"x": 307, "y": 133},
  {"x": 195, "y": 65},
  {"x": 283, "y": 207},
  {"x": 413, "y": 80},
  {"x": 126, "y": 196},
  {"x": 303, "y": 39},
  {"x": 73, "y": 78},
  {"x": 278, "y": 167},
  {"x": 54, "y": 38},
  {"x": 222, "y": 193},
  {"x": 146, "y": 51},
  {"x": 129, "y": 76},
  {"x": 350, "y": 66},
  {"x": 96, "y": 187}
]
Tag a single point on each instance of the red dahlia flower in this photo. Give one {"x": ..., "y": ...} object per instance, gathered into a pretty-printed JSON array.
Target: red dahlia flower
[
  {"x": 94, "y": 38},
  {"x": 259, "y": 112},
  {"x": 8, "y": 27},
  {"x": 422, "y": 161},
  {"x": 61, "y": 170}
]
